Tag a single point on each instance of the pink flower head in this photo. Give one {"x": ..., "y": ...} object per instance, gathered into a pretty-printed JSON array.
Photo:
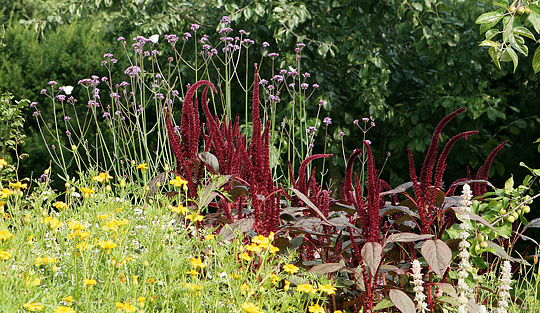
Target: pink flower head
[{"x": 195, "y": 27}]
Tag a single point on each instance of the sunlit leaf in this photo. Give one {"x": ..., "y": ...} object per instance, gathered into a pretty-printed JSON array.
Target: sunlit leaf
[
  {"x": 402, "y": 301},
  {"x": 438, "y": 255}
]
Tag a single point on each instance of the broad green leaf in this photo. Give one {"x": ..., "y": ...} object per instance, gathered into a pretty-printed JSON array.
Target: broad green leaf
[
  {"x": 535, "y": 8},
  {"x": 534, "y": 18},
  {"x": 510, "y": 55},
  {"x": 402, "y": 301},
  {"x": 509, "y": 185},
  {"x": 486, "y": 27},
  {"x": 491, "y": 33},
  {"x": 520, "y": 30},
  {"x": 438, "y": 255},
  {"x": 536, "y": 60},
  {"x": 326, "y": 268},
  {"x": 515, "y": 45},
  {"x": 489, "y": 17},
  {"x": 372, "y": 255},
  {"x": 383, "y": 304},
  {"x": 494, "y": 54},
  {"x": 406, "y": 237},
  {"x": 490, "y": 43}
]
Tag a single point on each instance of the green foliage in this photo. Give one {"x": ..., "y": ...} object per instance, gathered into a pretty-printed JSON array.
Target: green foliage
[
  {"x": 11, "y": 124},
  {"x": 507, "y": 28}
]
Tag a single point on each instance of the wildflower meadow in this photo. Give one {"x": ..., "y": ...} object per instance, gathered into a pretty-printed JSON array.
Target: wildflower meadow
[{"x": 158, "y": 196}]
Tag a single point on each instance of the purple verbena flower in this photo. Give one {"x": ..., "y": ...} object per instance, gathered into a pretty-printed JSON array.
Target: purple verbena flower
[
  {"x": 68, "y": 133},
  {"x": 33, "y": 104},
  {"x": 108, "y": 55},
  {"x": 265, "y": 44},
  {"x": 365, "y": 119},
  {"x": 315, "y": 85},
  {"x": 195, "y": 27},
  {"x": 355, "y": 122},
  {"x": 225, "y": 20},
  {"x": 273, "y": 55},
  {"x": 106, "y": 114},
  {"x": 327, "y": 120},
  {"x": 322, "y": 102},
  {"x": 115, "y": 95},
  {"x": 124, "y": 83},
  {"x": 341, "y": 134},
  {"x": 67, "y": 118},
  {"x": 132, "y": 70},
  {"x": 304, "y": 85},
  {"x": 61, "y": 97},
  {"x": 52, "y": 82}
]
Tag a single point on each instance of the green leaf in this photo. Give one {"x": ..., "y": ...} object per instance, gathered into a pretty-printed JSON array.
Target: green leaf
[
  {"x": 402, "y": 301},
  {"x": 509, "y": 185},
  {"x": 438, "y": 255},
  {"x": 534, "y": 18},
  {"x": 383, "y": 304},
  {"x": 535, "y": 8},
  {"x": 520, "y": 30},
  {"x": 536, "y": 60},
  {"x": 510, "y": 55},
  {"x": 486, "y": 27},
  {"x": 516, "y": 46},
  {"x": 490, "y": 43},
  {"x": 489, "y": 17},
  {"x": 491, "y": 33}
]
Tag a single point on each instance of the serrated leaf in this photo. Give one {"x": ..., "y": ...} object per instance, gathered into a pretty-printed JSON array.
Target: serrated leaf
[
  {"x": 536, "y": 60},
  {"x": 489, "y": 17},
  {"x": 326, "y": 268},
  {"x": 407, "y": 237},
  {"x": 372, "y": 255},
  {"x": 311, "y": 205},
  {"x": 438, "y": 255},
  {"x": 402, "y": 301}
]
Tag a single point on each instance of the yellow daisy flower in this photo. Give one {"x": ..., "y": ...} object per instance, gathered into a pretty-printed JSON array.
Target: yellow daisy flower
[{"x": 34, "y": 306}]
